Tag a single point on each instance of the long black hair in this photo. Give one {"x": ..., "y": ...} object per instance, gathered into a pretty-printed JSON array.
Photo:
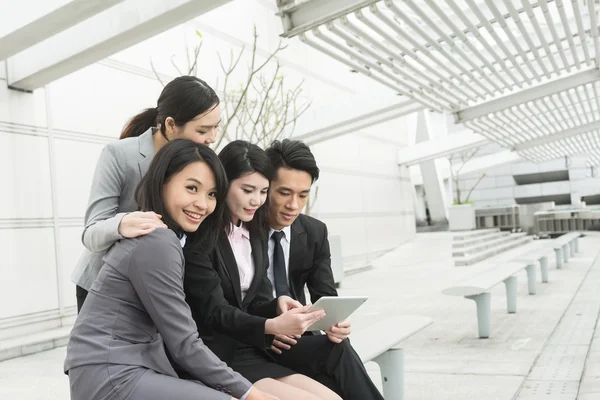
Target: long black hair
[
  {"x": 240, "y": 158},
  {"x": 170, "y": 160},
  {"x": 183, "y": 99}
]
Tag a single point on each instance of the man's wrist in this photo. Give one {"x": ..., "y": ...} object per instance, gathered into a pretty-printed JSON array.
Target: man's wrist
[{"x": 271, "y": 327}]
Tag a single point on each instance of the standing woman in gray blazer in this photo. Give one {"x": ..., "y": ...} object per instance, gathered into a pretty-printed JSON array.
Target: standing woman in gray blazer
[
  {"x": 136, "y": 307},
  {"x": 187, "y": 108}
]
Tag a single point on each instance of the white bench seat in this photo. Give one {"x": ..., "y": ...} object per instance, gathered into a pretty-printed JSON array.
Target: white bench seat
[
  {"x": 539, "y": 255},
  {"x": 377, "y": 343},
  {"x": 477, "y": 289},
  {"x": 565, "y": 246}
]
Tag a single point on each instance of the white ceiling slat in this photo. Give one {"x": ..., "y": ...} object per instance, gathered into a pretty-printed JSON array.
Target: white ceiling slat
[
  {"x": 565, "y": 25},
  {"x": 557, "y": 41},
  {"x": 433, "y": 42},
  {"x": 523, "y": 73},
  {"x": 458, "y": 33},
  {"x": 402, "y": 63},
  {"x": 594, "y": 29},
  {"x": 508, "y": 32},
  {"x": 539, "y": 33},
  {"x": 525, "y": 36},
  {"x": 580, "y": 29}
]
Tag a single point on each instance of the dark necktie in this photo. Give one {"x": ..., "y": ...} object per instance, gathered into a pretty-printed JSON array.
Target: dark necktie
[{"x": 281, "y": 283}]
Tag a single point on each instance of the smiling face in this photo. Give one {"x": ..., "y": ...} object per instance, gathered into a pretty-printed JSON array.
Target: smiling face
[
  {"x": 246, "y": 194},
  {"x": 203, "y": 129},
  {"x": 191, "y": 195},
  {"x": 287, "y": 196}
]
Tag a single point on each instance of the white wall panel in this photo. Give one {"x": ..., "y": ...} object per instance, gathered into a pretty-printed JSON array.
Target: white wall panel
[
  {"x": 353, "y": 234},
  {"x": 532, "y": 190},
  {"x": 494, "y": 194},
  {"x": 100, "y": 100},
  {"x": 525, "y": 167},
  {"x": 28, "y": 283},
  {"x": 550, "y": 188},
  {"x": 505, "y": 181},
  {"x": 22, "y": 108},
  {"x": 75, "y": 165},
  {"x": 70, "y": 248},
  {"x": 25, "y": 177},
  {"x": 340, "y": 193}
]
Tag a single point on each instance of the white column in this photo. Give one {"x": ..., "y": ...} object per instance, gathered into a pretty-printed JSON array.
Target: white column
[
  {"x": 98, "y": 37},
  {"x": 25, "y": 23},
  {"x": 430, "y": 127}
]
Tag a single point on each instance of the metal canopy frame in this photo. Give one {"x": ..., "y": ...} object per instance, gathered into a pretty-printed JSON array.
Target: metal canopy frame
[{"x": 523, "y": 73}]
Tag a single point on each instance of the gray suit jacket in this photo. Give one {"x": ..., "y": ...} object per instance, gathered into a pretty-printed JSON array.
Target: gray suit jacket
[
  {"x": 137, "y": 306},
  {"x": 121, "y": 166}
]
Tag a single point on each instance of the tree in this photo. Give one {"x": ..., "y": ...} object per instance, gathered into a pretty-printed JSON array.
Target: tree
[
  {"x": 464, "y": 158},
  {"x": 263, "y": 107}
]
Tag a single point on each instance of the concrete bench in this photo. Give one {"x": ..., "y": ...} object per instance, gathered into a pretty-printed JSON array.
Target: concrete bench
[
  {"x": 376, "y": 343},
  {"x": 565, "y": 246},
  {"x": 477, "y": 289},
  {"x": 532, "y": 258}
]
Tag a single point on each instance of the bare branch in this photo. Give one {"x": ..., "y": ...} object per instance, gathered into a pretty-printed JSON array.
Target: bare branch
[
  {"x": 175, "y": 65},
  {"x": 474, "y": 186},
  {"x": 156, "y": 73}
]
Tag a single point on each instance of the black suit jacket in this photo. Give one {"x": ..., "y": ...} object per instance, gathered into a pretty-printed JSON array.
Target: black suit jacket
[
  {"x": 213, "y": 291},
  {"x": 310, "y": 260}
]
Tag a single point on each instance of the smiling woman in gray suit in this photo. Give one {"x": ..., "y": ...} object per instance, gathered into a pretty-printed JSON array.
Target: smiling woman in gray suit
[
  {"x": 187, "y": 108},
  {"x": 136, "y": 307}
]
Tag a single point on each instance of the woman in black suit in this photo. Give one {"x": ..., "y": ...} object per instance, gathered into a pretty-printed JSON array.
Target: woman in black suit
[{"x": 229, "y": 290}]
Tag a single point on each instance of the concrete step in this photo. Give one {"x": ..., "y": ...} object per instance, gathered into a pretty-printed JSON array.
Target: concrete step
[
  {"x": 492, "y": 251},
  {"x": 34, "y": 343},
  {"x": 461, "y": 244},
  {"x": 466, "y": 235},
  {"x": 479, "y": 247}
]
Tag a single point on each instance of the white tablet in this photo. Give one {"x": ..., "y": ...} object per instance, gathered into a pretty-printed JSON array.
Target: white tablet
[{"x": 337, "y": 309}]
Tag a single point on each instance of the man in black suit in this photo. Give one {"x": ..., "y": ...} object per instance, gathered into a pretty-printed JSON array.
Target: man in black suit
[{"x": 299, "y": 256}]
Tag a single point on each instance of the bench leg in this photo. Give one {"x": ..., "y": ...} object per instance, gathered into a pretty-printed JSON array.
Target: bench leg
[
  {"x": 391, "y": 364},
  {"x": 559, "y": 258},
  {"x": 576, "y": 245},
  {"x": 484, "y": 313},
  {"x": 531, "y": 278},
  {"x": 544, "y": 268},
  {"x": 566, "y": 254},
  {"x": 572, "y": 248},
  {"x": 511, "y": 294}
]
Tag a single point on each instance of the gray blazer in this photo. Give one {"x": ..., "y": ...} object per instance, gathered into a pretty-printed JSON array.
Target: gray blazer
[
  {"x": 121, "y": 166},
  {"x": 137, "y": 306}
]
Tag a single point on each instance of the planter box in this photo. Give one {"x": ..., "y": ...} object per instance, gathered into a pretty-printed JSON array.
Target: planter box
[{"x": 461, "y": 217}]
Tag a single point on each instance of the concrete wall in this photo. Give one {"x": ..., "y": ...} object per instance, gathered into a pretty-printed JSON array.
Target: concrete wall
[
  {"x": 499, "y": 187},
  {"x": 50, "y": 140}
]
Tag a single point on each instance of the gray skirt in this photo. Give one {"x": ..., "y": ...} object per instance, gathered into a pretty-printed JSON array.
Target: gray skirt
[{"x": 126, "y": 382}]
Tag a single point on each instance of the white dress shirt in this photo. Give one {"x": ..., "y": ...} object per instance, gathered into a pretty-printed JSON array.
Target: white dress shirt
[
  {"x": 285, "y": 244},
  {"x": 239, "y": 239}
]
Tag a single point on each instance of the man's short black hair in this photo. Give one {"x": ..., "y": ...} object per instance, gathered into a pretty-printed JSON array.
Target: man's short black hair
[{"x": 293, "y": 154}]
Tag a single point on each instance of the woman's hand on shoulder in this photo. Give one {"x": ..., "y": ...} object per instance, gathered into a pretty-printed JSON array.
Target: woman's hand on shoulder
[{"x": 140, "y": 223}]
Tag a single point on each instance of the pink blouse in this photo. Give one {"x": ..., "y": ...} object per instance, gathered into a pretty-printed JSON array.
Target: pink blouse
[{"x": 239, "y": 238}]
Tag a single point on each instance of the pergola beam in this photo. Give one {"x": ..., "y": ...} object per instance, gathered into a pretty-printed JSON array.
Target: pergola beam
[
  {"x": 527, "y": 95},
  {"x": 98, "y": 37},
  {"x": 360, "y": 122},
  {"x": 308, "y": 15},
  {"x": 557, "y": 136},
  {"x": 439, "y": 147},
  {"x": 26, "y": 26}
]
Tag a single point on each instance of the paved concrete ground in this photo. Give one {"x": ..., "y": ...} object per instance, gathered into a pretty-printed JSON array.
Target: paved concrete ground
[{"x": 447, "y": 360}]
